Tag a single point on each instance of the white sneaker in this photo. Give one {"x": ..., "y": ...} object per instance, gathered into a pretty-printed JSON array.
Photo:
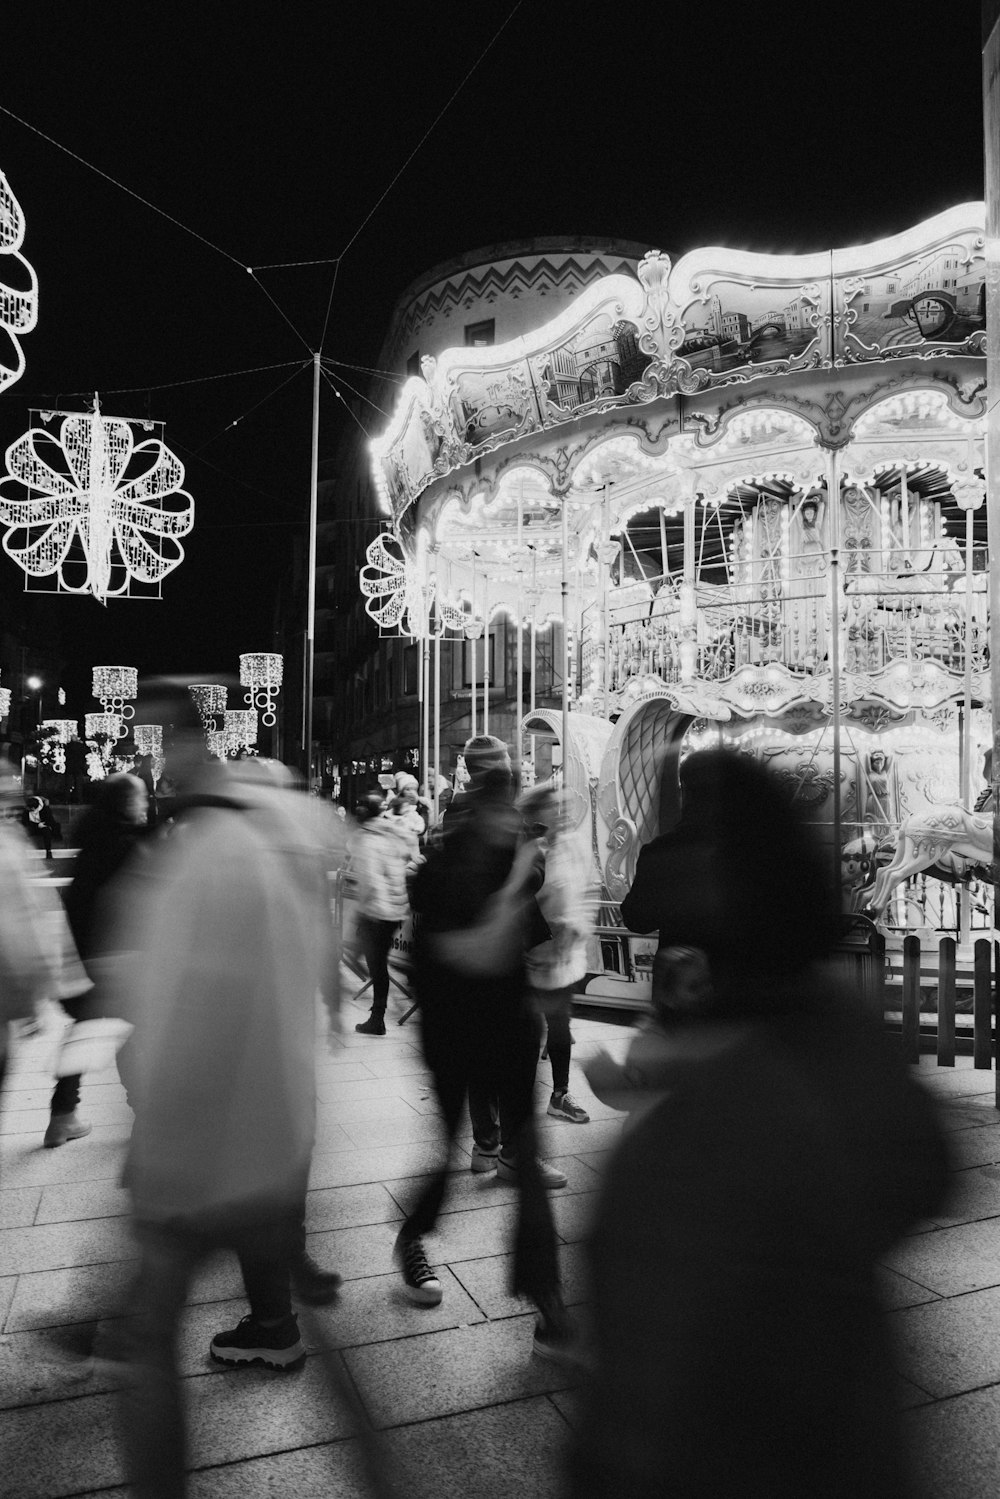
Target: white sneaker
[{"x": 551, "y": 1177}]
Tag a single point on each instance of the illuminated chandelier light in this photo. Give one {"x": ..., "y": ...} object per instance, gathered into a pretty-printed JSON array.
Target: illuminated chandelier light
[
  {"x": 148, "y": 739},
  {"x": 18, "y": 306},
  {"x": 81, "y": 513},
  {"x": 104, "y": 723},
  {"x": 4, "y": 701},
  {"x": 262, "y": 673},
  {"x": 210, "y": 699},
  {"x": 216, "y": 740},
  {"x": 239, "y": 729},
  {"x": 113, "y": 686}
]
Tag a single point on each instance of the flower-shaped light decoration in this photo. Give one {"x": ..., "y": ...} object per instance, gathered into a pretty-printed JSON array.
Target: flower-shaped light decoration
[
  {"x": 148, "y": 739},
  {"x": 113, "y": 686},
  {"x": 94, "y": 515},
  {"x": 19, "y": 303},
  {"x": 262, "y": 672},
  {"x": 394, "y": 598}
]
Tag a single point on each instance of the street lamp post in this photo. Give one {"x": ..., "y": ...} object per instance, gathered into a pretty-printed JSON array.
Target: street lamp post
[{"x": 35, "y": 685}]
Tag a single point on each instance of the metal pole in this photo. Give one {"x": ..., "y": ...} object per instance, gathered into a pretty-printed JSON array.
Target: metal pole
[
  {"x": 437, "y": 719},
  {"x": 564, "y": 591},
  {"x": 835, "y": 659},
  {"x": 519, "y": 689},
  {"x": 310, "y": 640},
  {"x": 475, "y": 648},
  {"x": 965, "y": 769}
]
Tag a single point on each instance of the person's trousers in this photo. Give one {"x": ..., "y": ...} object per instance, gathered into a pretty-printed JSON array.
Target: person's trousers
[
  {"x": 554, "y": 1006},
  {"x": 376, "y": 937},
  {"x": 488, "y": 1046},
  {"x": 151, "y": 1399}
]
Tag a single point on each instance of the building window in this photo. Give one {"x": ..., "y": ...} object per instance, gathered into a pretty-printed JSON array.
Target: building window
[
  {"x": 865, "y": 306},
  {"x": 890, "y": 286},
  {"x": 413, "y": 363},
  {"x": 480, "y": 335}
]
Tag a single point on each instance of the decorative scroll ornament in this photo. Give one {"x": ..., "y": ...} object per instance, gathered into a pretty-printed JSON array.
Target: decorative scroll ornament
[
  {"x": 394, "y": 598},
  {"x": 18, "y": 304},
  {"x": 262, "y": 673},
  {"x": 149, "y": 741},
  {"x": 94, "y": 516},
  {"x": 210, "y": 699}
]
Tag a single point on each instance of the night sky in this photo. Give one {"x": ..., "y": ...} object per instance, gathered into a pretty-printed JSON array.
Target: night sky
[{"x": 273, "y": 131}]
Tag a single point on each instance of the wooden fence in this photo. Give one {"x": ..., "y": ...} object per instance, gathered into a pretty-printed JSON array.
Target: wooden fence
[{"x": 935, "y": 1006}]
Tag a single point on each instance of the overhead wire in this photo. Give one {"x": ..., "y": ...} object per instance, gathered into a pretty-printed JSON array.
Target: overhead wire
[
  {"x": 392, "y": 183},
  {"x": 346, "y": 405},
  {"x": 256, "y": 406},
  {"x": 361, "y": 396}
]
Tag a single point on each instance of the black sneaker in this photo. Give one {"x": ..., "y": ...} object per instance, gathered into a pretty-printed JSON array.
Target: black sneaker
[
  {"x": 558, "y": 1342},
  {"x": 371, "y": 1027},
  {"x": 420, "y": 1283},
  {"x": 278, "y": 1347},
  {"x": 311, "y": 1284}
]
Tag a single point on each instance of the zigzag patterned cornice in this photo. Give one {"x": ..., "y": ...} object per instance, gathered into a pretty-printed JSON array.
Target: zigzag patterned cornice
[{"x": 517, "y": 276}]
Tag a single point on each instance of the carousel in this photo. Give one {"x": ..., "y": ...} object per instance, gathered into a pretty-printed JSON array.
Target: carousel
[{"x": 737, "y": 500}]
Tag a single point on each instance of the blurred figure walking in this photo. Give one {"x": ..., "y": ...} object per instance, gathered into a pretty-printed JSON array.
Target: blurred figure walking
[
  {"x": 107, "y": 836},
  {"x": 740, "y": 1344},
  {"x": 557, "y": 965},
  {"x": 475, "y": 898},
  {"x": 385, "y": 851},
  {"x": 232, "y": 939}
]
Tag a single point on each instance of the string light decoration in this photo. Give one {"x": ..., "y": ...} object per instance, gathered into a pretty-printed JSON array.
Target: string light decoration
[
  {"x": 261, "y": 672},
  {"x": 148, "y": 739},
  {"x": 102, "y": 731},
  {"x": 216, "y": 741},
  {"x": 4, "y": 701},
  {"x": 18, "y": 307},
  {"x": 108, "y": 724},
  {"x": 239, "y": 729},
  {"x": 60, "y": 732},
  {"x": 210, "y": 699},
  {"x": 89, "y": 507},
  {"x": 114, "y": 686}
]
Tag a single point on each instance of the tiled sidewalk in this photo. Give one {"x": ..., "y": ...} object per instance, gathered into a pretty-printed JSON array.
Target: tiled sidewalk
[{"x": 458, "y": 1403}]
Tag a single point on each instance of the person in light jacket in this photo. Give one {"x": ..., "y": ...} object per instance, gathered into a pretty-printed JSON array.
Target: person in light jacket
[{"x": 385, "y": 851}]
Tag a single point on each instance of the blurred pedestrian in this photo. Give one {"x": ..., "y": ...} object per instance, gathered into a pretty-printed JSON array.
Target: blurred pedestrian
[
  {"x": 232, "y": 939},
  {"x": 557, "y": 965},
  {"x": 384, "y": 853},
  {"x": 740, "y": 1347},
  {"x": 27, "y": 974},
  {"x": 106, "y": 835},
  {"x": 40, "y": 823},
  {"x": 475, "y": 898}
]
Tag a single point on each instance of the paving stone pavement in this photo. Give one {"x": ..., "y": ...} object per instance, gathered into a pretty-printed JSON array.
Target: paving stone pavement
[{"x": 460, "y": 1405}]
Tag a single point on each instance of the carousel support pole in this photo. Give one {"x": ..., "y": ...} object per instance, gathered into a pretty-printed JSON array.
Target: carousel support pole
[
  {"x": 965, "y": 770},
  {"x": 425, "y": 673},
  {"x": 437, "y": 720},
  {"x": 475, "y": 648},
  {"x": 309, "y": 653},
  {"x": 519, "y": 688},
  {"x": 534, "y": 649},
  {"x": 663, "y": 543},
  {"x": 834, "y": 491},
  {"x": 564, "y": 592},
  {"x": 486, "y": 660}
]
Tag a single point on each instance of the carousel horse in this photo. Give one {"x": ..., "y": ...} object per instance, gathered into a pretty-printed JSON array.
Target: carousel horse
[{"x": 946, "y": 842}]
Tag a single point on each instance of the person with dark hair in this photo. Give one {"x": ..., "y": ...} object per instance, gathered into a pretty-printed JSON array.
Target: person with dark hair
[
  {"x": 107, "y": 835},
  {"x": 475, "y": 898},
  {"x": 39, "y": 822},
  {"x": 739, "y": 1342}
]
